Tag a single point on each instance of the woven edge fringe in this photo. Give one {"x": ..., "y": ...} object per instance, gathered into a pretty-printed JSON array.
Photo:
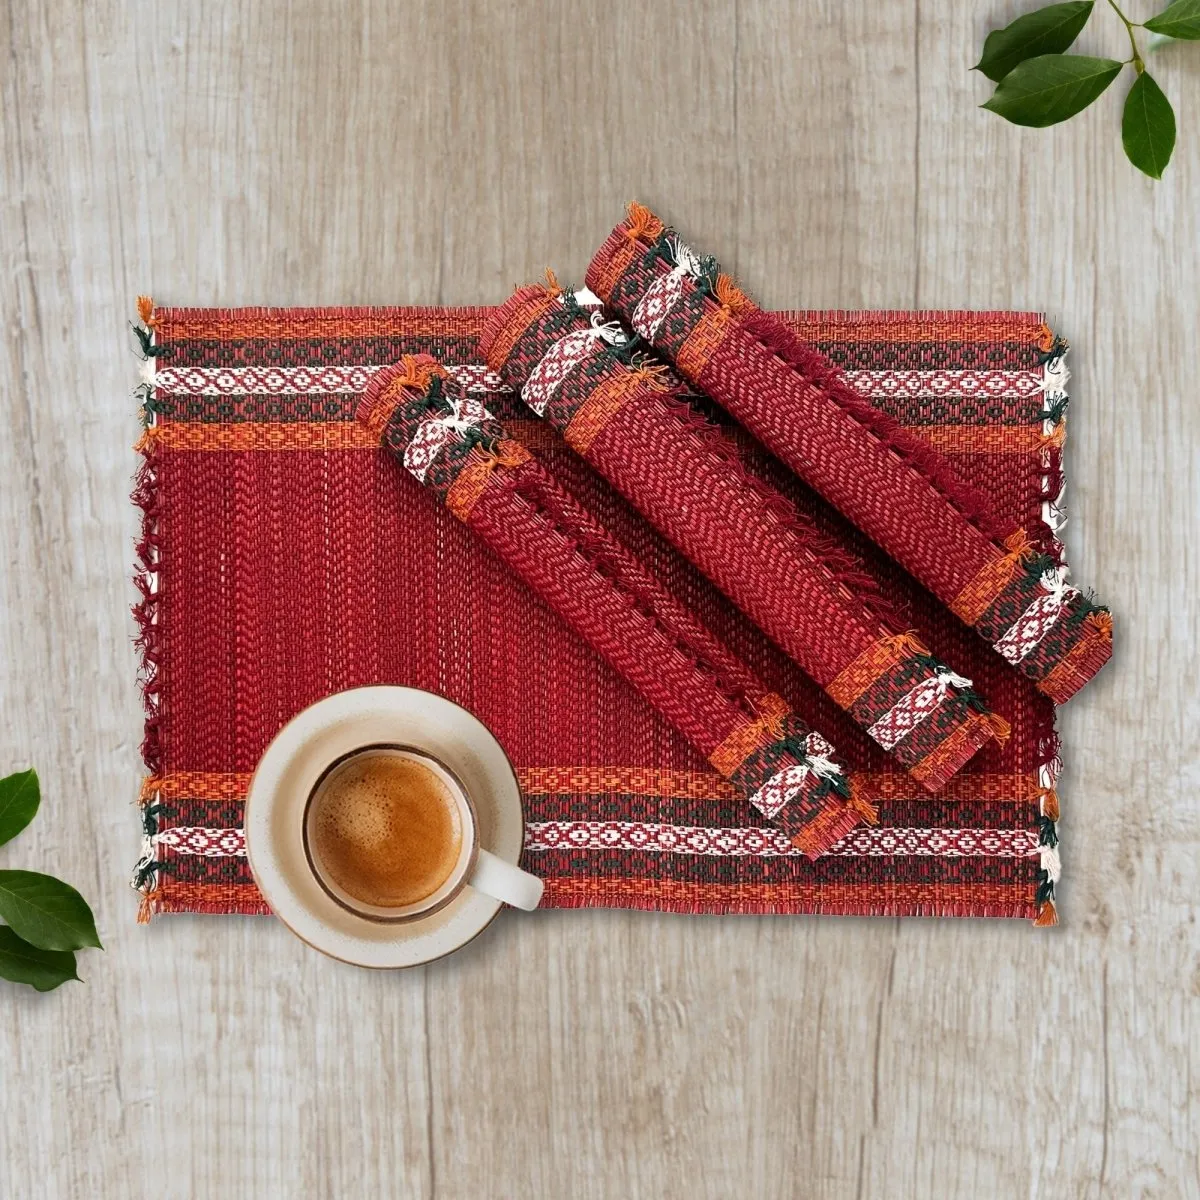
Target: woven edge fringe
[
  {"x": 1053, "y": 518},
  {"x": 147, "y": 610}
]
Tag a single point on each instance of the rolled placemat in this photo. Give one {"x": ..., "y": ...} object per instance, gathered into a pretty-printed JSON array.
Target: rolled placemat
[
  {"x": 894, "y": 487},
  {"x": 626, "y": 414},
  {"x": 450, "y": 443}
]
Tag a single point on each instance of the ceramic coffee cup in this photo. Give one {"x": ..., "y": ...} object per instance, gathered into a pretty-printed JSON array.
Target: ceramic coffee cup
[{"x": 476, "y": 776}]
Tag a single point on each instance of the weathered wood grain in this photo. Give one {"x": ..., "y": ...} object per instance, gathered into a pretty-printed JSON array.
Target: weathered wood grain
[{"x": 440, "y": 152}]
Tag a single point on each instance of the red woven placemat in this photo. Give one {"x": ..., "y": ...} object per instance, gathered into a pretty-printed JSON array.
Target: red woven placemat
[{"x": 284, "y": 558}]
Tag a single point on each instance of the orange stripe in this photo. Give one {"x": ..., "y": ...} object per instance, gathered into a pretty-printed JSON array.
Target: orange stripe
[
  {"x": 283, "y": 324},
  {"x": 932, "y": 326},
  {"x": 700, "y": 345},
  {"x": 648, "y": 781},
  {"x": 177, "y": 324},
  {"x": 626, "y": 781},
  {"x": 351, "y": 435},
  {"x": 992, "y": 578},
  {"x": 471, "y": 481},
  {"x": 199, "y": 785},
  {"x": 255, "y": 435},
  {"x": 898, "y": 899},
  {"x": 853, "y": 680},
  {"x": 966, "y": 787},
  {"x": 1082, "y": 661},
  {"x": 744, "y": 740},
  {"x": 609, "y": 397},
  {"x": 949, "y": 754},
  {"x": 832, "y": 823},
  {"x": 525, "y": 311},
  {"x": 982, "y": 439},
  {"x": 173, "y": 897}
]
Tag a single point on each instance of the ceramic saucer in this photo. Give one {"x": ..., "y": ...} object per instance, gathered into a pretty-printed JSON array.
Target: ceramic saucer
[{"x": 286, "y": 775}]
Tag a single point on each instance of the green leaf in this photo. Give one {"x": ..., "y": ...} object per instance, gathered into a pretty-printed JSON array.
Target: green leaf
[
  {"x": 1148, "y": 127},
  {"x": 47, "y": 912},
  {"x": 19, "y": 800},
  {"x": 1178, "y": 20},
  {"x": 1043, "y": 91},
  {"x": 42, "y": 969},
  {"x": 1049, "y": 30}
]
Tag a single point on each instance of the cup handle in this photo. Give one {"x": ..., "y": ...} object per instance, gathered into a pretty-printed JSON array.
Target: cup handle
[{"x": 502, "y": 881}]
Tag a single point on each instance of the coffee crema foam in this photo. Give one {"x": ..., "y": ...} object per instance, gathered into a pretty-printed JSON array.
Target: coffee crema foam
[{"x": 386, "y": 829}]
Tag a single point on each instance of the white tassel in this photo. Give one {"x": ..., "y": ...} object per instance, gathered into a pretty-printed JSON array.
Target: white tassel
[
  {"x": 1051, "y": 863},
  {"x": 947, "y": 679},
  {"x": 822, "y": 767},
  {"x": 608, "y": 331},
  {"x": 148, "y": 856},
  {"x": 1054, "y": 584},
  {"x": 1055, "y": 377},
  {"x": 687, "y": 261},
  {"x": 468, "y": 412}
]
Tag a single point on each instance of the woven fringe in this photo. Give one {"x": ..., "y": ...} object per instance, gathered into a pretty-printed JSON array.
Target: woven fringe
[
  {"x": 1054, "y": 429},
  {"x": 147, "y": 609}
]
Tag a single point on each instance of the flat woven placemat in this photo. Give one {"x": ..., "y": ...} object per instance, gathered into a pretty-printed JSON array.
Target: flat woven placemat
[{"x": 285, "y": 557}]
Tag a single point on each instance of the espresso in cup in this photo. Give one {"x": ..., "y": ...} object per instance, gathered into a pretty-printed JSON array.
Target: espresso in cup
[
  {"x": 389, "y": 832},
  {"x": 385, "y": 827}
]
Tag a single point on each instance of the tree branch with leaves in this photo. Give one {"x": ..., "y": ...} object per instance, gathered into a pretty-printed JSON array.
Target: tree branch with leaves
[{"x": 1039, "y": 84}]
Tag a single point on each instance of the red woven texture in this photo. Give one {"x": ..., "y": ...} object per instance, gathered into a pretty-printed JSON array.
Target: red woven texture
[
  {"x": 592, "y": 582},
  {"x": 290, "y": 560},
  {"x": 688, "y": 480},
  {"x": 889, "y": 484}
]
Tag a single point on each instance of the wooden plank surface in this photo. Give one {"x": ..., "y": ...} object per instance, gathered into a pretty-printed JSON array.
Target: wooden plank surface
[{"x": 438, "y": 152}]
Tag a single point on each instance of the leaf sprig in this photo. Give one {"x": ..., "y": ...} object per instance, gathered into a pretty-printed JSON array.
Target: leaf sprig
[
  {"x": 1039, "y": 84},
  {"x": 48, "y": 920}
]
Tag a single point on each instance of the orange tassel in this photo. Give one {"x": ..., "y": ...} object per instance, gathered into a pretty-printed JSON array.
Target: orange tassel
[
  {"x": 906, "y": 643},
  {"x": 730, "y": 297},
  {"x": 146, "y": 906},
  {"x": 552, "y": 286},
  {"x": 1045, "y": 337},
  {"x": 770, "y": 725},
  {"x": 419, "y": 369},
  {"x": 860, "y": 804},
  {"x": 1049, "y": 799},
  {"x": 150, "y": 786},
  {"x": 145, "y": 443},
  {"x": 1001, "y": 729},
  {"x": 1099, "y": 624},
  {"x": 507, "y": 454},
  {"x": 641, "y": 223},
  {"x": 651, "y": 375},
  {"x": 145, "y": 309},
  {"x": 1047, "y": 914},
  {"x": 1019, "y": 544},
  {"x": 1057, "y": 436}
]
